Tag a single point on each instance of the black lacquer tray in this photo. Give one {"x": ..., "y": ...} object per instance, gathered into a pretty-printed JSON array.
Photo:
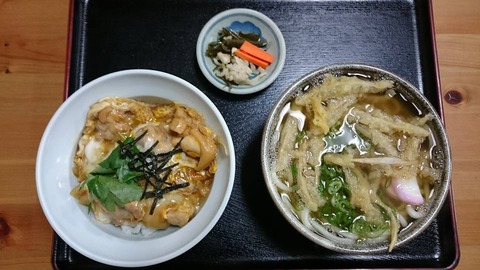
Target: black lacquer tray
[{"x": 112, "y": 35}]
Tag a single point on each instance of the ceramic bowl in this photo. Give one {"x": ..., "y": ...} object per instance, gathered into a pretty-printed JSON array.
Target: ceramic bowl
[
  {"x": 247, "y": 21},
  {"x": 106, "y": 243},
  {"x": 322, "y": 235}
]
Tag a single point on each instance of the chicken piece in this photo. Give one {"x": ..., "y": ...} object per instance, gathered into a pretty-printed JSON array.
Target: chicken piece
[
  {"x": 181, "y": 215},
  {"x": 118, "y": 217},
  {"x": 155, "y": 133},
  {"x": 111, "y": 116},
  {"x": 200, "y": 145},
  {"x": 179, "y": 122}
]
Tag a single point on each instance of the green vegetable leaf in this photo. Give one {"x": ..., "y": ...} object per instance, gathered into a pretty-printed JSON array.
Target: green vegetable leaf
[
  {"x": 112, "y": 161},
  {"x": 126, "y": 175},
  {"x": 112, "y": 182},
  {"x": 103, "y": 171},
  {"x": 110, "y": 191},
  {"x": 96, "y": 187},
  {"x": 110, "y": 202}
]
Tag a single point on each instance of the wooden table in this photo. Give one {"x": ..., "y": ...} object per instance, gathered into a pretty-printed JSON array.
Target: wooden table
[{"x": 33, "y": 39}]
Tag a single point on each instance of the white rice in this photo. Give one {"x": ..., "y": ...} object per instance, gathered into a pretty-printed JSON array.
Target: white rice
[{"x": 135, "y": 229}]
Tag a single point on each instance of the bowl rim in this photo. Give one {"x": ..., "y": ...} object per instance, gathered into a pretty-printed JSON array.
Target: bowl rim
[
  {"x": 198, "y": 234},
  {"x": 286, "y": 212},
  {"x": 244, "y": 89}
]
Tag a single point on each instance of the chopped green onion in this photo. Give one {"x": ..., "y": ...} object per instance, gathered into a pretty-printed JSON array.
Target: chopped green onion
[
  {"x": 338, "y": 210},
  {"x": 294, "y": 170},
  {"x": 334, "y": 186},
  {"x": 300, "y": 136}
]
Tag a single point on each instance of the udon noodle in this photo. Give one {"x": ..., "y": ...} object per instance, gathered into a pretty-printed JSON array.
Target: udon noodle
[{"x": 353, "y": 160}]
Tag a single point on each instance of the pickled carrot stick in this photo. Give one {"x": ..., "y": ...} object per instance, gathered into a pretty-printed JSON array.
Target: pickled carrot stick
[
  {"x": 257, "y": 52},
  {"x": 251, "y": 59}
]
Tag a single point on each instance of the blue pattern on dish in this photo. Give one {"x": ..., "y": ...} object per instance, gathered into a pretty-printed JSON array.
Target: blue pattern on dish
[{"x": 245, "y": 27}]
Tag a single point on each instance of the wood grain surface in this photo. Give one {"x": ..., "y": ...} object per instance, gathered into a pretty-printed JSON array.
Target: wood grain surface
[{"x": 33, "y": 49}]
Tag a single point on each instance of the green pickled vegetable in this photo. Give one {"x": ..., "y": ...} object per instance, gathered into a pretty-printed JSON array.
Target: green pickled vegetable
[{"x": 228, "y": 39}]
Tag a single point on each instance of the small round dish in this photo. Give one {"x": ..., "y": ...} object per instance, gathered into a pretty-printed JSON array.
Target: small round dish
[
  {"x": 74, "y": 223},
  {"x": 247, "y": 21}
]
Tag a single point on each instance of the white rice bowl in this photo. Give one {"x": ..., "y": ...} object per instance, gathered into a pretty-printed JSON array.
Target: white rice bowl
[{"x": 127, "y": 246}]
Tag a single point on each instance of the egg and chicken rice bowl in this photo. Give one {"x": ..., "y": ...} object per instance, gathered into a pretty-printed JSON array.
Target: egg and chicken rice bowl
[{"x": 144, "y": 166}]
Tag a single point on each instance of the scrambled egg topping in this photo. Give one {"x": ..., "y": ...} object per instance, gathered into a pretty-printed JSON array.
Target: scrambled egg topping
[{"x": 112, "y": 119}]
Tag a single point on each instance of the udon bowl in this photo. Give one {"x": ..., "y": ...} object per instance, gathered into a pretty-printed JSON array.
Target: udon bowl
[
  {"x": 441, "y": 159},
  {"x": 74, "y": 223}
]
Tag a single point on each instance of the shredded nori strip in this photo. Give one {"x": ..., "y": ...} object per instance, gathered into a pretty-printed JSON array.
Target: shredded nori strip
[{"x": 153, "y": 168}]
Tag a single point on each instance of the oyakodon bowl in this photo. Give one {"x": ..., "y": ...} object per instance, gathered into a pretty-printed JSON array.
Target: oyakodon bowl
[
  {"x": 324, "y": 235},
  {"x": 74, "y": 223}
]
